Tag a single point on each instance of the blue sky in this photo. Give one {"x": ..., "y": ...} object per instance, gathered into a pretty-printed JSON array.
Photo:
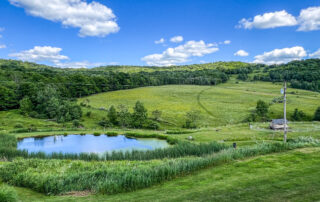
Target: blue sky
[{"x": 76, "y": 33}]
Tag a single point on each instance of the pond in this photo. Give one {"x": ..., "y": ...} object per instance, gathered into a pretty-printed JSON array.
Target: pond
[{"x": 89, "y": 144}]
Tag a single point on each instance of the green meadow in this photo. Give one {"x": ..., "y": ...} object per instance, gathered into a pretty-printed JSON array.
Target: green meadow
[
  {"x": 229, "y": 103},
  {"x": 262, "y": 169}
]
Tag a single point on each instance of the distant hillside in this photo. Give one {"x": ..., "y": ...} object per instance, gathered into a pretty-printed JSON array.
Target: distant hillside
[
  {"x": 303, "y": 74},
  {"x": 193, "y": 67},
  {"x": 20, "y": 79}
]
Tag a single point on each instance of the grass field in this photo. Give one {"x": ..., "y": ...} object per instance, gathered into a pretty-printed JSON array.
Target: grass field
[
  {"x": 290, "y": 176},
  {"x": 286, "y": 176},
  {"x": 219, "y": 105}
]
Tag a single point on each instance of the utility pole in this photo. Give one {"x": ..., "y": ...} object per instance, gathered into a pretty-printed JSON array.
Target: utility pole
[{"x": 285, "y": 111}]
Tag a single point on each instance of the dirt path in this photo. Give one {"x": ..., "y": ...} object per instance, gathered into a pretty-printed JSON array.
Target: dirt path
[{"x": 201, "y": 105}]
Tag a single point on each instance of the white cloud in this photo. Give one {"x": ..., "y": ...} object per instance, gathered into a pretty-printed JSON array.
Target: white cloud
[
  {"x": 2, "y": 46},
  {"x": 315, "y": 54},
  {"x": 176, "y": 39},
  {"x": 41, "y": 53},
  {"x": 279, "y": 56},
  {"x": 227, "y": 42},
  {"x": 180, "y": 54},
  {"x": 241, "y": 53},
  {"x": 159, "y": 41},
  {"x": 269, "y": 20},
  {"x": 77, "y": 65},
  {"x": 309, "y": 19},
  {"x": 93, "y": 19},
  {"x": 113, "y": 63}
]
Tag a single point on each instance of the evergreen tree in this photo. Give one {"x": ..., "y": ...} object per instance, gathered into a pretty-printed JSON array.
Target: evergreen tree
[
  {"x": 298, "y": 115},
  {"x": 124, "y": 116},
  {"x": 112, "y": 115},
  {"x": 25, "y": 106},
  {"x": 262, "y": 109},
  {"x": 139, "y": 116}
]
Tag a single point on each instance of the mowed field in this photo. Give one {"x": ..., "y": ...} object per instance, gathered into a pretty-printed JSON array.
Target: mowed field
[{"x": 219, "y": 105}]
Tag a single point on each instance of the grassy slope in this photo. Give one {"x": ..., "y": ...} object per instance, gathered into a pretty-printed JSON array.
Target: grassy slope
[
  {"x": 194, "y": 67},
  {"x": 219, "y": 105},
  {"x": 286, "y": 176}
]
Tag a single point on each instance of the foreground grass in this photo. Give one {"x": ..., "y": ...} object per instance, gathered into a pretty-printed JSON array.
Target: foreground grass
[
  {"x": 62, "y": 176},
  {"x": 289, "y": 176}
]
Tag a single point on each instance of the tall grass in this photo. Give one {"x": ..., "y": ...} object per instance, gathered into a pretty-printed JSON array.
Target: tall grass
[
  {"x": 7, "y": 194},
  {"x": 8, "y": 151},
  {"x": 55, "y": 177}
]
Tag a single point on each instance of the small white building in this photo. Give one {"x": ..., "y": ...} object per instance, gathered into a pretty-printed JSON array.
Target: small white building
[{"x": 278, "y": 124}]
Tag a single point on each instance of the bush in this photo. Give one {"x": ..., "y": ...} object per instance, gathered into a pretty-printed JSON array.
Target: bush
[
  {"x": 243, "y": 77},
  {"x": 88, "y": 114},
  {"x": 18, "y": 125},
  {"x": 110, "y": 134},
  {"x": 76, "y": 123},
  {"x": 96, "y": 134},
  {"x": 151, "y": 125},
  {"x": 7, "y": 194},
  {"x": 192, "y": 118},
  {"x": 298, "y": 115},
  {"x": 317, "y": 115}
]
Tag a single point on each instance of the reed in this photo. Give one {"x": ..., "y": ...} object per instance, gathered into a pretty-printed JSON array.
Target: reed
[
  {"x": 180, "y": 149},
  {"x": 111, "y": 177},
  {"x": 7, "y": 194}
]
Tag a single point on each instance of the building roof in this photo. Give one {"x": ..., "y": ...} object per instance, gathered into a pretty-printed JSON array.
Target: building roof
[{"x": 278, "y": 121}]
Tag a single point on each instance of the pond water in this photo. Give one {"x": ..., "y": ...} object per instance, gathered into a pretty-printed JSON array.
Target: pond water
[{"x": 89, "y": 144}]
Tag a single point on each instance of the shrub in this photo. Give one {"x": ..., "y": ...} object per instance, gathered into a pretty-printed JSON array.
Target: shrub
[
  {"x": 151, "y": 125},
  {"x": 111, "y": 133},
  {"x": 88, "y": 114},
  {"x": 317, "y": 115},
  {"x": 112, "y": 115},
  {"x": 105, "y": 123},
  {"x": 96, "y": 133},
  {"x": 298, "y": 115},
  {"x": 18, "y": 125},
  {"x": 7, "y": 194},
  {"x": 192, "y": 118},
  {"x": 76, "y": 123}
]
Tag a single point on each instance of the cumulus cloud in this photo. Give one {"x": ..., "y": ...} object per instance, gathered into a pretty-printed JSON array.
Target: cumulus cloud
[
  {"x": 93, "y": 19},
  {"x": 176, "y": 39},
  {"x": 2, "y": 46},
  {"x": 41, "y": 54},
  {"x": 309, "y": 19},
  {"x": 315, "y": 54},
  {"x": 280, "y": 56},
  {"x": 77, "y": 65},
  {"x": 227, "y": 42},
  {"x": 241, "y": 53},
  {"x": 159, "y": 41},
  {"x": 180, "y": 54},
  {"x": 269, "y": 20}
]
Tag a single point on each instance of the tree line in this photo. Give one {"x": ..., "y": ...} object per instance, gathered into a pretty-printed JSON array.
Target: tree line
[
  {"x": 18, "y": 81},
  {"x": 303, "y": 74}
]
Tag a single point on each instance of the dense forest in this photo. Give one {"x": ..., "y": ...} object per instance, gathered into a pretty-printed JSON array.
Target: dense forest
[{"x": 303, "y": 74}]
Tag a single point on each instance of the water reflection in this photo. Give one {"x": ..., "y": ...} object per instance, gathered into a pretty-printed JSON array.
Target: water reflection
[{"x": 88, "y": 143}]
